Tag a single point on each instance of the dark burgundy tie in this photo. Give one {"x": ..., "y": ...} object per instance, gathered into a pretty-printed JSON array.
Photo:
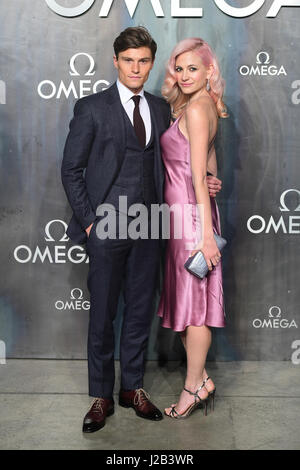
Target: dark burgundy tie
[{"x": 138, "y": 122}]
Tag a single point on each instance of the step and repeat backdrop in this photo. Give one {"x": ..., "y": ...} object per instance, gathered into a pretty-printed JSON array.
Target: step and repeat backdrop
[{"x": 56, "y": 51}]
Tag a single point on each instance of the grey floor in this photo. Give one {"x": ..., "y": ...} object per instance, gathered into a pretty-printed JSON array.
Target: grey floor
[{"x": 43, "y": 402}]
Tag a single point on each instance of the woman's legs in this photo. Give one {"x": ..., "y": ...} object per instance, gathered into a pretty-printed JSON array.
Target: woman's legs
[
  {"x": 197, "y": 341},
  {"x": 210, "y": 386}
]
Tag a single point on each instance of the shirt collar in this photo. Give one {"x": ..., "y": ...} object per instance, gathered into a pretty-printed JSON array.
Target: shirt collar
[{"x": 126, "y": 94}]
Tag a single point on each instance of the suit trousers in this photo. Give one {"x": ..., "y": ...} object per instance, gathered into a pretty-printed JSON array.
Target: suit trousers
[{"x": 114, "y": 263}]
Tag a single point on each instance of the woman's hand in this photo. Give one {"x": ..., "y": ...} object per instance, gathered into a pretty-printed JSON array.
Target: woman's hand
[{"x": 210, "y": 252}]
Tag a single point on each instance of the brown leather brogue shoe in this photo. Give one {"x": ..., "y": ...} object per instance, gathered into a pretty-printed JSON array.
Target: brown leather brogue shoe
[
  {"x": 139, "y": 400},
  {"x": 96, "y": 416}
]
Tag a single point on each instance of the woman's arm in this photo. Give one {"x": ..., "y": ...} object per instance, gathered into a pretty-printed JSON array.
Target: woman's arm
[{"x": 197, "y": 125}]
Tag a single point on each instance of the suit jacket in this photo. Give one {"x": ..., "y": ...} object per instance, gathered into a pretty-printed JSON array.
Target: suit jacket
[{"x": 94, "y": 153}]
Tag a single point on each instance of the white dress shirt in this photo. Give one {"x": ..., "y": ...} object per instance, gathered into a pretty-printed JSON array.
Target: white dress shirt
[{"x": 128, "y": 104}]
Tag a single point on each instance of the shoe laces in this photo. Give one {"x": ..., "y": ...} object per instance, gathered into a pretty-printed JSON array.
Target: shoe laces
[
  {"x": 97, "y": 404},
  {"x": 140, "y": 397}
]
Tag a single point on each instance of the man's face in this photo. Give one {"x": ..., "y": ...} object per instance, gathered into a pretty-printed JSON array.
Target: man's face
[{"x": 133, "y": 67}]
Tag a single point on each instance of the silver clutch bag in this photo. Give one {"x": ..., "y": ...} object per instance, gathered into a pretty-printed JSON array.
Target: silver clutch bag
[{"x": 197, "y": 265}]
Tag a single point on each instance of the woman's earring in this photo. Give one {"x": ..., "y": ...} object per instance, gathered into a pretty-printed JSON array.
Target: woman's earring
[{"x": 208, "y": 85}]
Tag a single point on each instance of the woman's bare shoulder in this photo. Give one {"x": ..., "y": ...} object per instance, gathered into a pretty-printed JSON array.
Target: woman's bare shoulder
[{"x": 199, "y": 108}]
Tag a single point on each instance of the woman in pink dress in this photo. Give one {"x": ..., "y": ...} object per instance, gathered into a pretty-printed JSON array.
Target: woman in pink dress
[{"x": 194, "y": 88}]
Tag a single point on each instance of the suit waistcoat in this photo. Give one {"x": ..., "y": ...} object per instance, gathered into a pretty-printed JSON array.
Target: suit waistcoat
[{"x": 136, "y": 177}]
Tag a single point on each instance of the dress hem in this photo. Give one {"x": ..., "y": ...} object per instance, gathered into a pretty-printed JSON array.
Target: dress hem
[{"x": 190, "y": 324}]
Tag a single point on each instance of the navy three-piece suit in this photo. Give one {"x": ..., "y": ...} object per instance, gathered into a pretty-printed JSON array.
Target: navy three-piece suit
[{"x": 103, "y": 160}]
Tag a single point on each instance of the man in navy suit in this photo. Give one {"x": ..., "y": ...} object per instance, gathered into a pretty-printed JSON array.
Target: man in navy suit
[{"x": 113, "y": 150}]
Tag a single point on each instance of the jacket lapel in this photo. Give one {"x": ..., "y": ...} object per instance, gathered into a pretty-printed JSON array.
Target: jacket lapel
[{"x": 116, "y": 121}]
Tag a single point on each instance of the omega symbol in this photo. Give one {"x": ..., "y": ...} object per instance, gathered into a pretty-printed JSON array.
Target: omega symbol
[
  {"x": 69, "y": 12},
  {"x": 72, "y": 296},
  {"x": 267, "y": 57},
  {"x": 278, "y": 315},
  {"x": 74, "y": 72},
  {"x": 283, "y": 207},
  {"x": 49, "y": 238}
]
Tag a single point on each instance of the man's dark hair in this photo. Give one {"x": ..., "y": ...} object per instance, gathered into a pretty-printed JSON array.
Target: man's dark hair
[{"x": 133, "y": 38}]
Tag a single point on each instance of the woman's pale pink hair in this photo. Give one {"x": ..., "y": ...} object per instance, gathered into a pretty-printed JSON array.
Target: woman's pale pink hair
[{"x": 170, "y": 88}]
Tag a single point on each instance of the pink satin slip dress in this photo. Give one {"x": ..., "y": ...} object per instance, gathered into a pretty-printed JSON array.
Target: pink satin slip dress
[{"x": 186, "y": 300}]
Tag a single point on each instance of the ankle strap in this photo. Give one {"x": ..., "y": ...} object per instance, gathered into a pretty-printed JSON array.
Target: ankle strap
[
  {"x": 205, "y": 380},
  {"x": 195, "y": 394}
]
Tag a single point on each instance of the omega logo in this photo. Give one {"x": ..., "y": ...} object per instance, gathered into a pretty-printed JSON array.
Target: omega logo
[
  {"x": 74, "y": 72},
  {"x": 72, "y": 296},
  {"x": 48, "y": 89},
  {"x": 176, "y": 9},
  {"x": 75, "y": 303},
  {"x": 55, "y": 253},
  {"x": 274, "y": 320},
  {"x": 283, "y": 207},
  {"x": 267, "y": 56},
  {"x": 290, "y": 224},
  {"x": 49, "y": 238},
  {"x": 262, "y": 67}
]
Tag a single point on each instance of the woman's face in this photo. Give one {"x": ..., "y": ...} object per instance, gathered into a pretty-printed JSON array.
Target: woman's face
[{"x": 191, "y": 74}]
